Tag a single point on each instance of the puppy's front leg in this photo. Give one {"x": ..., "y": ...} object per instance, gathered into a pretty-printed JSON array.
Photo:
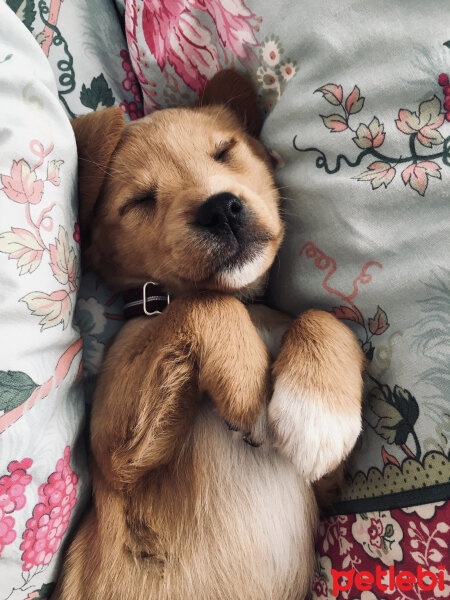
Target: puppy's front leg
[
  {"x": 315, "y": 411},
  {"x": 234, "y": 363},
  {"x": 146, "y": 397},
  {"x": 148, "y": 391}
]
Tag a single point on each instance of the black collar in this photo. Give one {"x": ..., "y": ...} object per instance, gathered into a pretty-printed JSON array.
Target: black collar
[
  {"x": 151, "y": 299},
  {"x": 148, "y": 300}
]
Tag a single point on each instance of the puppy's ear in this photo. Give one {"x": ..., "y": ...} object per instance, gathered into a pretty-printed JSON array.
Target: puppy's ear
[
  {"x": 97, "y": 135},
  {"x": 237, "y": 92}
]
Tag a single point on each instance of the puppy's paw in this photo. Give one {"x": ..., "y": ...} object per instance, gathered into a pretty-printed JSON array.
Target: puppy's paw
[
  {"x": 313, "y": 436},
  {"x": 315, "y": 411},
  {"x": 234, "y": 363},
  {"x": 257, "y": 435}
]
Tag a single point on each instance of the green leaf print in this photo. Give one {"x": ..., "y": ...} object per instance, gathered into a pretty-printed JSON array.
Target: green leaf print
[
  {"x": 25, "y": 10},
  {"x": 99, "y": 95},
  {"x": 398, "y": 412},
  {"x": 15, "y": 388}
]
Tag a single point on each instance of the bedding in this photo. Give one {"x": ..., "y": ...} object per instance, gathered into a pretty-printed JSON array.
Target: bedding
[
  {"x": 357, "y": 105},
  {"x": 357, "y": 114},
  {"x": 43, "y": 482}
]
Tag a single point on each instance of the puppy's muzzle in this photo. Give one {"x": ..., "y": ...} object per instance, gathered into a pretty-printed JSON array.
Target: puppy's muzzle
[{"x": 221, "y": 215}]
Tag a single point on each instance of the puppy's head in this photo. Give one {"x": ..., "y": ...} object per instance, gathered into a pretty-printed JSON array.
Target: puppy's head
[{"x": 184, "y": 197}]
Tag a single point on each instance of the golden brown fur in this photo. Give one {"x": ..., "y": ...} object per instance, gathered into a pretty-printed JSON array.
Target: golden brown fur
[{"x": 183, "y": 506}]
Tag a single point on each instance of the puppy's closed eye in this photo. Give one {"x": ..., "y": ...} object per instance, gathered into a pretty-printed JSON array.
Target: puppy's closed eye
[
  {"x": 146, "y": 201},
  {"x": 223, "y": 149}
]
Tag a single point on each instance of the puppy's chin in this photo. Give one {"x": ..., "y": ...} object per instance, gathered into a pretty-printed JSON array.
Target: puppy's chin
[
  {"x": 240, "y": 274},
  {"x": 244, "y": 274}
]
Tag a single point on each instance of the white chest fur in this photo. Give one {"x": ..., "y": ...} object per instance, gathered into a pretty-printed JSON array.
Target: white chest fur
[{"x": 260, "y": 511}]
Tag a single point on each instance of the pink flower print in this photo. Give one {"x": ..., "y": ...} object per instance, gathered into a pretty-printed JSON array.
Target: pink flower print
[
  {"x": 7, "y": 532},
  {"x": 135, "y": 58},
  {"x": 379, "y": 173},
  {"x": 54, "y": 308},
  {"x": 335, "y": 123},
  {"x": 354, "y": 101},
  {"x": 425, "y": 124},
  {"x": 421, "y": 126},
  {"x": 288, "y": 70},
  {"x": 417, "y": 175},
  {"x": 22, "y": 185},
  {"x": 12, "y": 487},
  {"x": 375, "y": 530},
  {"x": 380, "y": 536},
  {"x": 53, "y": 171},
  {"x": 62, "y": 258},
  {"x": 332, "y": 93},
  {"x": 271, "y": 51},
  {"x": 370, "y": 136},
  {"x": 379, "y": 323},
  {"x": 12, "y": 498},
  {"x": 158, "y": 20},
  {"x": 444, "y": 82},
  {"x": 232, "y": 19},
  {"x": 175, "y": 36},
  {"x": 50, "y": 518},
  {"x": 268, "y": 79},
  {"x": 22, "y": 245}
]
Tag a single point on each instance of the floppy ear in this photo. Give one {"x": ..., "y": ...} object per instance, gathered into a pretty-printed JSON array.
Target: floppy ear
[
  {"x": 237, "y": 92},
  {"x": 97, "y": 135}
]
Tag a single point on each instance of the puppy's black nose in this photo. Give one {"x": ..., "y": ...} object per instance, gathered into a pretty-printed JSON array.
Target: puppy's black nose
[{"x": 220, "y": 213}]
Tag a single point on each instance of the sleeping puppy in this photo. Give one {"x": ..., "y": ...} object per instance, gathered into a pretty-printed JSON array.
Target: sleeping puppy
[{"x": 206, "y": 437}]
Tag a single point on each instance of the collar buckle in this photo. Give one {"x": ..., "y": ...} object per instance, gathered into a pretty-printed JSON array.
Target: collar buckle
[{"x": 146, "y": 299}]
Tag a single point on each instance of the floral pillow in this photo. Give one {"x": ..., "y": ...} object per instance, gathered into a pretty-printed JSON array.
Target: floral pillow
[
  {"x": 42, "y": 466},
  {"x": 357, "y": 99},
  {"x": 357, "y": 104}
]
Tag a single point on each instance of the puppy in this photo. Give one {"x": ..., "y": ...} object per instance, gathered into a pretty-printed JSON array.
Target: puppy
[{"x": 211, "y": 421}]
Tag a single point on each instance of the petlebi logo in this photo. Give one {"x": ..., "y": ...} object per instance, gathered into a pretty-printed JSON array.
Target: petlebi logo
[{"x": 388, "y": 580}]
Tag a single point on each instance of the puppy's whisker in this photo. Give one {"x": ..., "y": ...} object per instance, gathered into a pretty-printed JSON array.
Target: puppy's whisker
[
  {"x": 289, "y": 199},
  {"x": 106, "y": 170},
  {"x": 287, "y": 213}
]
